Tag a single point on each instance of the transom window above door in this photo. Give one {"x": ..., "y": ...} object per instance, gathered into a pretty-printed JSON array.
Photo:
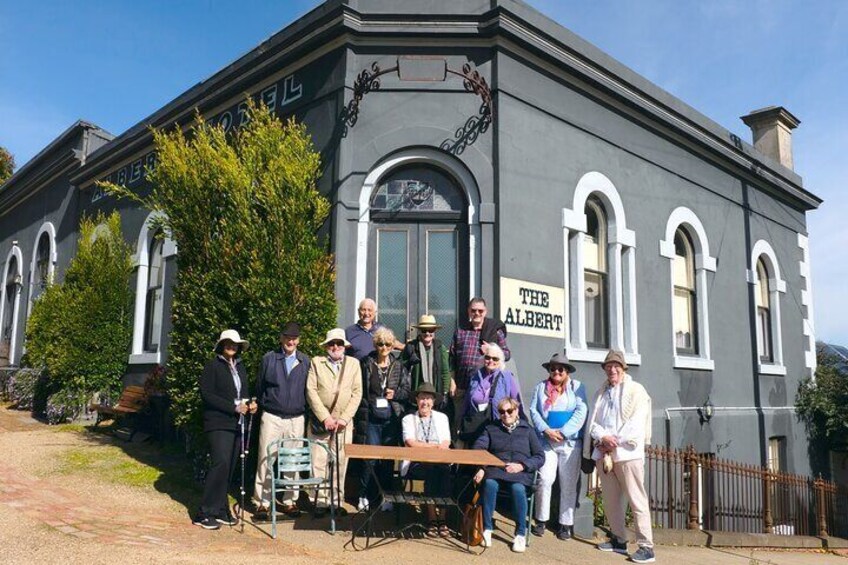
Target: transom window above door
[{"x": 416, "y": 190}]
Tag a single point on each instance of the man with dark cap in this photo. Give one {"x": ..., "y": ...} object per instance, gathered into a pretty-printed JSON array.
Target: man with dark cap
[{"x": 281, "y": 393}]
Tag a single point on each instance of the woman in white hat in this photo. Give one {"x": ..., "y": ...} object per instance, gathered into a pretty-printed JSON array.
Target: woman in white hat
[
  {"x": 223, "y": 390},
  {"x": 558, "y": 411}
]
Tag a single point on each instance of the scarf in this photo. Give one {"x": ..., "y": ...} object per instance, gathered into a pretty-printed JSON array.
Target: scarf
[
  {"x": 552, "y": 392},
  {"x": 510, "y": 427},
  {"x": 426, "y": 362}
]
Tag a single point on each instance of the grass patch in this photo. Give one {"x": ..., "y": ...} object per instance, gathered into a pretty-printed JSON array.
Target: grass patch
[
  {"x": 75, "y": 427},
  {"x": 109, "y": 463}
]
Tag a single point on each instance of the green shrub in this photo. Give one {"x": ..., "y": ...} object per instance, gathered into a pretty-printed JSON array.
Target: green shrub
[
  {"x": 79, "y": 331},
  {"x": 244, "y": 212}
]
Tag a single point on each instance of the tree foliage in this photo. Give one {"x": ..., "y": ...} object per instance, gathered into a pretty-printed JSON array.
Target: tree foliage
[
  {"x": 80, "y": 330},
  {"x": 822, "y": 404},
  {"x": 7, "y": 164},
  {"x": 244, "y": 212}
]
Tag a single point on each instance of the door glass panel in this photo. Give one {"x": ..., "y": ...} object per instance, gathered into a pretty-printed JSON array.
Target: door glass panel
[
  {"x": 392, "y": 276},
  {"x": 442, "y": 279}
]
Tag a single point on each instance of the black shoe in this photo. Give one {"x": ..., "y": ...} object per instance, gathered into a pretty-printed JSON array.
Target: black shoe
[
  {"x": 538, "y": 529},
  {"x": 227, "y": 520},
  {"x": 261, "y": 515},
  {"x": 341, "y": 511},
  {"x": 321, "y": 511},
  {"x": 206, "y": 523},
  {"x": 565, "y": 532}
]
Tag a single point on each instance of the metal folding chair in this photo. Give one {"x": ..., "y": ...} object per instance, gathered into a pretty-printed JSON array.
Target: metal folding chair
[{"x": 298, "y": 459}]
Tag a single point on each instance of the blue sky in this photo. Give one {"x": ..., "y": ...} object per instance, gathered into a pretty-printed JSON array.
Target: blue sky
[{"x": 114, "y": 63}]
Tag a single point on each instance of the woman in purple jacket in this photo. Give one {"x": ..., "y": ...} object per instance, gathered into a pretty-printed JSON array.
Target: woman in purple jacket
[{"x": 487, "y": 387}]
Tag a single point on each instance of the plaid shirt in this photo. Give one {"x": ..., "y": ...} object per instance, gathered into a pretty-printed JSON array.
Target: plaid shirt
[{"x": 465, "y": 351}]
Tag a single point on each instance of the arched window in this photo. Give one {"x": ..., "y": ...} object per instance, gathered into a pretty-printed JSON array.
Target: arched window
[
  {"x": 595, "y": 276},
  {"x": 42, "y": 263},
  {"x": 765, "y": 348},
  {"x": 153, "y": 315},
  {"x": 600, "y": 273},
  {"x": 685, "y": 296},
  {"x": 764, "y": 275},
  {"x": 11, "y": 295}
]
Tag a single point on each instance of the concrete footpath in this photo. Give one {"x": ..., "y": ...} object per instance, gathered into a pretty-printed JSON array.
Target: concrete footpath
[{"x": 65, "y": 518}]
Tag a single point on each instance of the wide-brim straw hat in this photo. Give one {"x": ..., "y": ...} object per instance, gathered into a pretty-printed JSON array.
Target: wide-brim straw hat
[
  {"x": 427, "y": 322},
  {"x": 560, "y": 359},
  {"x": 336, "y": 334},
  {"x": 233, "y": 336},
  {"x": 615, "y": 357}
]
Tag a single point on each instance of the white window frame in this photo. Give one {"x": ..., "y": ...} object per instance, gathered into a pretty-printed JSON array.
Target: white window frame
[
  {"x": 443, "y": 162},
  {"x": 777, "y": 286},
  {"x": 621, "y": 273},
  {"x": 50, "y": 230},
  {"x": 16, "y": 308},
  {"x": 141, "y": 260},
  {"x": 684, "y": 218},
  {"x": 809, "y": 326}
]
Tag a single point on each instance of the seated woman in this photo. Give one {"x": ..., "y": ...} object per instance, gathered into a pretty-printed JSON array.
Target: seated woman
[
  {"x": 558, "y": 411},
  {"x": 486, "y": 388},
  {"x": 385, "y": 388},
  {"x": 429, "y": 429},
  {"x": 515, "y": 443}
]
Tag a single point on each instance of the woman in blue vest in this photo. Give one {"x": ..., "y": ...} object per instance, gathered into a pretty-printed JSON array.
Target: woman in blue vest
[{"x": 558, "y": 411}]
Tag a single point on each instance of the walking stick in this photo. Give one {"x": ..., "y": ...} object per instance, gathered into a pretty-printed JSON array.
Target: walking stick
[
  {"x": 245, "y": 451},
  {"x": 338, "y": 484}
]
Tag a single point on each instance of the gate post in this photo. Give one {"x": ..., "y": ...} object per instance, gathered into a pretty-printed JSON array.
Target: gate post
[
  {"x": 818, "y": 485},
  {"x": 768, "y": 523},
  {"x": 692, "y": 465}
]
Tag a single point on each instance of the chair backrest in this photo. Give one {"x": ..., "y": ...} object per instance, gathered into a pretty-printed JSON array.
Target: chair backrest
[
  {"x": 133, "y": 397},
  {"x": 292, "y": 455}
]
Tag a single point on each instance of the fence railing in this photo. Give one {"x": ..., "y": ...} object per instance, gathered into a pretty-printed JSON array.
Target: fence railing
[{"x": 700, "y": 491}]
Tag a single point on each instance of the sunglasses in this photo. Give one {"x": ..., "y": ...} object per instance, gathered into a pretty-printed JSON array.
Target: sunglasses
[
  {"x": 478, "y": 310},
  {"x": 426, "y": 331},
  {"x": 558, "y": 369},
  {"x": 503, "y": 411},
  {"x": 229, "y": 345},
  {"x": 490, "y": 358},
  {"x": 383, "y": 344},
  {"x": 336, "y": 344}
]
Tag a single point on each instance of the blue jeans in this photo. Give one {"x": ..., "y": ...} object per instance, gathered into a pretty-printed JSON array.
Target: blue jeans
[
  {"x": 378, "y": 433},
  {"x": 518, "y": 494}
]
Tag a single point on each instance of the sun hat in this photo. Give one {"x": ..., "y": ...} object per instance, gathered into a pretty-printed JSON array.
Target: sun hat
[
  {"x": 233, "y": 336},
  {"x": 559, "y": 359},
  {"x": 336, "y": 334},
  {"x": 615, "y": 357},
  {"x": 426, "y": 322}
]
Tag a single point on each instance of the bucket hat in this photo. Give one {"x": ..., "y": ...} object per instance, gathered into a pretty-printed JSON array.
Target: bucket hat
[
  {"x": 336, "y": 334},
  {"x": 233, "y": 336}
]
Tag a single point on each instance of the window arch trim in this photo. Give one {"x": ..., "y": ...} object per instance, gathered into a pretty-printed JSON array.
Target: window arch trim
[
  {"x": 685, "y": 219},
  {"x": 18, "y": 256},
  {"x": 762, "y": 250},
  {"x": 50, "y": 230}
]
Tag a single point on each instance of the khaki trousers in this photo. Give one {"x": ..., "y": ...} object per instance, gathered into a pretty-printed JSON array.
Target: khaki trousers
[
  {"x": 626, "y": 483},
  {"x": 271, "y": 429},
  {"x": 320, "y": 466}
]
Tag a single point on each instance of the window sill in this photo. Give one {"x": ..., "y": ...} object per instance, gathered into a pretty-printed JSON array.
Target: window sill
[
  {"x": 598, "y": 355},
  {"x": 771, "y": 369},
  {"x": 697, "y": 363},
  {"x": 144, "y": 358}
]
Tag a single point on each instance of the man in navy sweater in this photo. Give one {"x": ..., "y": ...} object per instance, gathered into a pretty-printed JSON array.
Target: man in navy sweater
[{"x": 281, "y": 393}]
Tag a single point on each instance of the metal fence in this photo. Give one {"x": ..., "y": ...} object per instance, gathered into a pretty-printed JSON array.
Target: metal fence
[{"x": 700, "y": 491}]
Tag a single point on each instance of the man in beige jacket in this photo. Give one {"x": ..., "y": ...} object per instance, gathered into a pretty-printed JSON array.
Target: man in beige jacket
[
  {"x": 333, "y": 391},
  {"x": 617, "y": 430}
]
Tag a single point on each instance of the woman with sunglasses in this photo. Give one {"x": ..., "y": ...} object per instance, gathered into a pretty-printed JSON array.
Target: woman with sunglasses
[
  {"x": 515, "y": 443},
  {"x": 487, "y": 387},
  {"x": 558, "y": 412},
  {"x": 223, "y": 388},
  {"x": 386, "y": 388}
]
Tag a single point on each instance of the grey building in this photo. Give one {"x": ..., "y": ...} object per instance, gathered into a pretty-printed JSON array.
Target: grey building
[{"x": 478, "y": 148}]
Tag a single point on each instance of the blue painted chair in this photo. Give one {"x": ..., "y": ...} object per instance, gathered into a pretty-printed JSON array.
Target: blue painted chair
[{"x": 282, "y": 458}]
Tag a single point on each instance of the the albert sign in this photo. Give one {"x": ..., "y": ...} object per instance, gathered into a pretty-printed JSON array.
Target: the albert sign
[{"x": 533, "y": 309}]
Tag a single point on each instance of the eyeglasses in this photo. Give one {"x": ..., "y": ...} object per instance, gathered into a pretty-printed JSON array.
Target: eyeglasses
[
  {"x": 490, "y": 358},
  {"x": 383, "y": 344},
  {"x": 503, "y": 411},
  {"x": 477, "y": 310},
  {"x": 426, "y": 331},
  {"x": 337, "y": 343},
  {"x": 558, "y": 369}
]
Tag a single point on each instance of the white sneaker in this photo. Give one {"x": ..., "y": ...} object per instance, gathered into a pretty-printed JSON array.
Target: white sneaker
[
  {"x": 387, "y": 507},
  {"x": 363, "y": 504},
  {"x": 519, "y": 544},
  {"x": 487, "y": 538}
]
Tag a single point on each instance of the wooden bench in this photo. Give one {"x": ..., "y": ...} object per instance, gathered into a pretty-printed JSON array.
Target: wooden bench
[{"x": 133, "y": 401}]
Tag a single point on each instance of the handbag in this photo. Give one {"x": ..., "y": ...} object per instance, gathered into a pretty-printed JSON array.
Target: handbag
[
  {"x": 472, "y": 521},
  {"x": 473, "y": 423},
  {"x": 587, "y": 464},
  {"x": 317, "y": 426}
]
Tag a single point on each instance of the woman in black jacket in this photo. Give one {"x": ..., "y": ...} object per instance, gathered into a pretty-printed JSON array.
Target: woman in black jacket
[
  {"x": 516, "y": 443},
  {"x": 223, "y": 390}
]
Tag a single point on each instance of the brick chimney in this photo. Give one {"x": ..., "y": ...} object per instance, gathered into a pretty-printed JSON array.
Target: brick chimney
[{"x": 772, "y": 131}]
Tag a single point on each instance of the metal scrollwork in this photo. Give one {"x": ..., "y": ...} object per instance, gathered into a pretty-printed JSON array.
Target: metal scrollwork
[{"x": 365, "y": 82}]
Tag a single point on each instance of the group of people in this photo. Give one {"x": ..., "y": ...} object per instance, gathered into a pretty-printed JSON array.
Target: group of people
[{"x": 371, "y": 388}]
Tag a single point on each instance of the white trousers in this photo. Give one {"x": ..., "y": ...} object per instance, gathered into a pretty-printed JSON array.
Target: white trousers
[
  {"x": 562, "y": 462},
  {"x": 273, "y": 428}
]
